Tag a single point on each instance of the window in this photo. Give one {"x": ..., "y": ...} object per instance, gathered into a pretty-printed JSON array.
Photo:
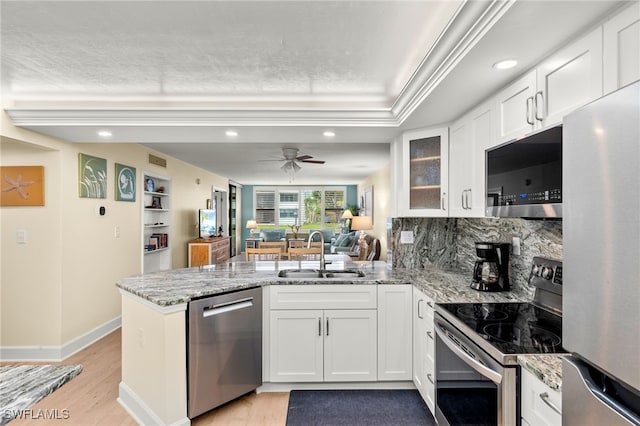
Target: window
[
  {"x": 265, "y": 207},
  {"x": 310, "y": 208}
]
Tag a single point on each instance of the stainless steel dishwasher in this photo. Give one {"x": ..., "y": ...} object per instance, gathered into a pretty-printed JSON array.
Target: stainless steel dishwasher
[{"x": 224, "y": 344}]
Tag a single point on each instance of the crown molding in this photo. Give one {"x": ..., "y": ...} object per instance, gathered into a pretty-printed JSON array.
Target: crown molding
[{"x": 470, "y": 23}]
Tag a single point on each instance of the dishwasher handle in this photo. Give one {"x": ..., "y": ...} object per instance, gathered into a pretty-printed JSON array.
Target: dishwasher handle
[{"x": 222, "y": 308}]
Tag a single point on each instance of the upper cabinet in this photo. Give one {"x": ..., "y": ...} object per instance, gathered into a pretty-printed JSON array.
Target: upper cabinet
[
  {"x": 424, "y": 173},
  {"x": 621, "y": 51},
  {"x": 469, "y": 138},
  {"x": 566, "y": 80}
]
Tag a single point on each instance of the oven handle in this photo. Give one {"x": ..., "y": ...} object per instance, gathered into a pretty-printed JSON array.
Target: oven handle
[{"x": 490, "y": 374}]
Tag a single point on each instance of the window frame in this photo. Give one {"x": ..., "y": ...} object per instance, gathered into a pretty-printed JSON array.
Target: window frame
[{"x": 288, "y": 205}]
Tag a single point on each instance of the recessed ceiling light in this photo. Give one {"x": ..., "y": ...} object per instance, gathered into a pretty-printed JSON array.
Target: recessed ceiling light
[
  {"x": 329, "y": 133},
  {"x": 231, "y": 133},
  {"x": 104, "y": 134},
  {"x": 505, "y": 64}
]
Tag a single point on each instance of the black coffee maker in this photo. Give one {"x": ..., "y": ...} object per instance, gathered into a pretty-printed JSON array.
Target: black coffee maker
[{"x": 491, "y": 271}]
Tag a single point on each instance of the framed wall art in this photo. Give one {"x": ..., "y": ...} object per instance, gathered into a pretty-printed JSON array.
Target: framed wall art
[
  {"x": 92, "y": 176},
  {"x": 125, "y": 183},
  {"x": 367, "y": 198},
  {"x": 22, "y": 186}
]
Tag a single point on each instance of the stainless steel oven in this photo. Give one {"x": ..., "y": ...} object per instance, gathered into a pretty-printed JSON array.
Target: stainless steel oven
[{"x": 477, "y": 345}]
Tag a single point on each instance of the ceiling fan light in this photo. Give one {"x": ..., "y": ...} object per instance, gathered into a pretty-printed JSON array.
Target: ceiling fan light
[{"x": 295, "y": 166}]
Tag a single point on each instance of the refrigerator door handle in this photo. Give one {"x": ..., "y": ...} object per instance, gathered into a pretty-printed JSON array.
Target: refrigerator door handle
[{"x": 584, "y": 374}]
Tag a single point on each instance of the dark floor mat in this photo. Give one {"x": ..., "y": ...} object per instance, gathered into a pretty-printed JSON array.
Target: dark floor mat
[{"x": 357, "y": 407}]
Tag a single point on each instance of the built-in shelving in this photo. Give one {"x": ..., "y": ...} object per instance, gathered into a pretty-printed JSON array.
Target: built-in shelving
[{"x": 156, "y": 223}]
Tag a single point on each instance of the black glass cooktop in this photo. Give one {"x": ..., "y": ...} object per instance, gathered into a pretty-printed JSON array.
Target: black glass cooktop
[{"x": 512, "y": 328}]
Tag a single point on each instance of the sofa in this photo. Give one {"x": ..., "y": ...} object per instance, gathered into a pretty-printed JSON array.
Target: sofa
[{"x": 348, "y": 244}]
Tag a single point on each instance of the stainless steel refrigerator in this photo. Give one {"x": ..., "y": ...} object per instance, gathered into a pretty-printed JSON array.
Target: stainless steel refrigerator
[{"x": 601, "y": 261}]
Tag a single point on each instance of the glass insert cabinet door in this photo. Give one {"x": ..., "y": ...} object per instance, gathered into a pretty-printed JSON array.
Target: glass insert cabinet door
[{"x": 425, "y": 165}]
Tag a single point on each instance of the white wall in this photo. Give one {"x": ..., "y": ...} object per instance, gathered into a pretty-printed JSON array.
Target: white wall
[
  {"x": 381, "y": 183},
  {"x": 61, "y": 284}
]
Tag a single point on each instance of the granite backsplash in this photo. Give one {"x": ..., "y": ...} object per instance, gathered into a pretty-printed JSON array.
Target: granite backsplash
[{"x": 448, "y": 243}]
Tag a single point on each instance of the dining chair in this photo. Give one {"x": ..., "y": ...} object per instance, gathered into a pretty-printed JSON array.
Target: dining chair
[
  {"x": 281, "y": 245},
  {"x": 304, "y": 253},
  {"x": 262, "y": 253}
]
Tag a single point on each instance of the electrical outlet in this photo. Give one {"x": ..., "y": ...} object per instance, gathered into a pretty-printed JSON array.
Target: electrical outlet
[
  {"x": 406, "y": 237},
  {"x": 515, "y": 244}
]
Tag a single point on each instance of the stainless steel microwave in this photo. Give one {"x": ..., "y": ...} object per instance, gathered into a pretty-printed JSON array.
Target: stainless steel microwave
[{"x": 524, "y": 176}]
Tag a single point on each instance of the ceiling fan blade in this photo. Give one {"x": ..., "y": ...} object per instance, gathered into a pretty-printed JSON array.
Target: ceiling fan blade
[
  {"x": 303, "y": 157},
  {"x": 274, "y": 159},
  {"x": 313, "y": 161}
]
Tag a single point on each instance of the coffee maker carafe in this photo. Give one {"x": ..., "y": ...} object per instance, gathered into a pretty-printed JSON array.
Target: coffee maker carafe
[{"x": 491, "y": 271}]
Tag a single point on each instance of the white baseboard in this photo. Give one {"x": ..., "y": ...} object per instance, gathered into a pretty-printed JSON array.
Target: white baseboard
[
  {"x": 288, "y": 387},
  {"x": 59, "y": 353},
  {"x": 140, "y": 412}
]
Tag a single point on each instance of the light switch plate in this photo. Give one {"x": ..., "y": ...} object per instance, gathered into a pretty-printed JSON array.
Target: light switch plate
[
  {"x": 21, "y": 236},
  {"x": 406, "y": 237},
  {"x": 515, "y": 244}
]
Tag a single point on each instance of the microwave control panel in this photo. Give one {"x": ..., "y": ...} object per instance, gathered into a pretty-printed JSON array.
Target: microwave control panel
[{"x": 538, "y": 197}]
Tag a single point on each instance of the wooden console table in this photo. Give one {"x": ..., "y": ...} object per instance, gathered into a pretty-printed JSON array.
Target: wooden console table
[{"x": 209, "y": 251}]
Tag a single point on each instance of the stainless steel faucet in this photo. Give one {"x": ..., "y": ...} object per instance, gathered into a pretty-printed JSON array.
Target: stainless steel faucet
[{"x": 322, "y": 262}]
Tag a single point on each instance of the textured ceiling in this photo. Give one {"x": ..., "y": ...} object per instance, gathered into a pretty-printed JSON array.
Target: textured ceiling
[{"x": 175, "y": 75}]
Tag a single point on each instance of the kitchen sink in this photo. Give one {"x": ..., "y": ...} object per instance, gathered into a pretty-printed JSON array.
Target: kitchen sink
[{"x": 320, "y": 273}]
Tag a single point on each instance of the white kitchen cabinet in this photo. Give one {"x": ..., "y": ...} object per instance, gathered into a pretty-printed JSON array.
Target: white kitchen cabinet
[
  {"x": 350, "y": 345},
  {"x": 424, "y": 347},
  {"x": 621, "y": 49},
  {"x": 541, "y": 405},
  {"x": 296, "y": 346},
  {"x": 469, "y": 137},
  {"x": 568, "y": 79},
  {"x": 394, "y": 332},
  {"x": 514, "y": 108},
  {"x": 323, "y": 333},
  {"x": 424, "y": 163}
]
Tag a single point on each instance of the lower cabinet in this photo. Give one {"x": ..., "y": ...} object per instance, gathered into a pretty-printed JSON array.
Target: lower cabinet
[
  {"x": 394, "y": 332},
  {"x": 541, "y": 405},
  {"x": 323, "y": 345},
  {"x": 323, "y": 333},
  {"x": 424, "y": 347}
]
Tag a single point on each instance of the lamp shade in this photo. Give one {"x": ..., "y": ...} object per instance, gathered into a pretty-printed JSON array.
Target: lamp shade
[
  {"x": 251, "y": 224},
  {"x": 347, "y": 214},
  {"x": 361, "y": 223}
]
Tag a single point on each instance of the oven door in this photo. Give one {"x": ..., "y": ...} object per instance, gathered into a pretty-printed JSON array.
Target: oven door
[{"x": 472, "y": 387}]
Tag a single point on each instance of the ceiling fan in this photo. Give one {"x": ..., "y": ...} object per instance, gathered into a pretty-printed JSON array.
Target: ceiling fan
[{"x": 291, "y": 159}]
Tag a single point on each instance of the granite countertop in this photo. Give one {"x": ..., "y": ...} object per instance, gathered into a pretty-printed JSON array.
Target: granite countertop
[
  {"x": 547, "y": 368},
  {"x": 182, "y": 285}
]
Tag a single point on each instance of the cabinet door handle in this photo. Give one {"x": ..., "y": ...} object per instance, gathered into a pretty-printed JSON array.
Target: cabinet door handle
[
  {"x": 319, "y": 326},
  {"x": 419, "y": 316},
  {"x": 529, "y": 106},
  {"x": 327, "y": 326},
  {"x": 469, "y": 199},
  {"x": 444, "y": 194},
  {"x": 544, "y": 396},
  {"x": 462, "y": 200},
  {"x": 430, "y": 334},
  {"x": 539, "y": 106},
  {"x": 430, "y": 378}
]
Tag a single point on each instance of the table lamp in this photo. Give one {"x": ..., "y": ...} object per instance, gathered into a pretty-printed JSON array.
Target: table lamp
[
  {"x": 362, "y": 223},
  {"x": 347, "y": 216},
  {"x": 251, "y": 225}
]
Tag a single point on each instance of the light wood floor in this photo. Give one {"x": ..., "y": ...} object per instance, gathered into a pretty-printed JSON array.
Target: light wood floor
[{"x": 90, "y": 398}]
